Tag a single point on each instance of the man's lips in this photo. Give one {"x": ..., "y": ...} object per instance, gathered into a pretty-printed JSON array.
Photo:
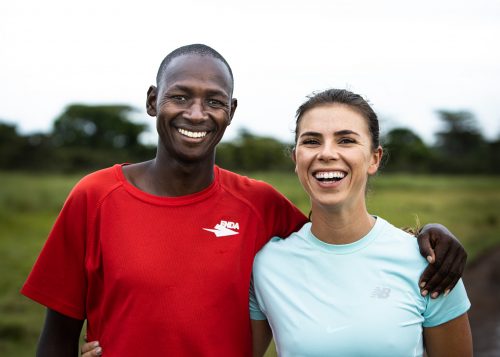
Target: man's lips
[{"x": 192, "y": 134}]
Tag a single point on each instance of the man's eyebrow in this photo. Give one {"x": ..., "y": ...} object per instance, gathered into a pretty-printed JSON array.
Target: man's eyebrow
[{"x": 187, "y": 89}]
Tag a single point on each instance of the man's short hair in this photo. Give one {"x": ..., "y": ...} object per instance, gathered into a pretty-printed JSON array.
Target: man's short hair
[{"x": 194, "y": 49}]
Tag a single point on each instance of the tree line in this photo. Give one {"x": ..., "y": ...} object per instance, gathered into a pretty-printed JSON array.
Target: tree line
[{"x": 88, "y": 137}]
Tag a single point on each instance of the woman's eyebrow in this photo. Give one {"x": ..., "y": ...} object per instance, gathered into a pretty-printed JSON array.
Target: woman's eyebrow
[
  {"x": 345, "y": 132},
  {"x": 310, "y": 133}
]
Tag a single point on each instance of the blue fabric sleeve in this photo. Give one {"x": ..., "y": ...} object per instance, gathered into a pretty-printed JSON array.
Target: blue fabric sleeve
[
  {"x": 446, "y": 308},
  {"x": 255, "y": 311}
]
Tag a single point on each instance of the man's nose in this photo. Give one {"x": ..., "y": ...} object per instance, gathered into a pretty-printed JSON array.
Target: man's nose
[{"x": 196, "y": 111}]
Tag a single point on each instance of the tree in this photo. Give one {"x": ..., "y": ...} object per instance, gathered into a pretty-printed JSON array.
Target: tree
[
  {"x": 494, "y": 156},
  {"x": 250, "y": 152},
  {"x": 99, "y": 126},
  {"x": 90, "y": 137},
  {"x": 10, "y": 145},
  {"x": 461, "y": 145},
  {"x": 405, "y": 151}
]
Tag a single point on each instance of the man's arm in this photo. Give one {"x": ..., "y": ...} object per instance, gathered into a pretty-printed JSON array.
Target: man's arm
[
  {"x": 60, "y": 336},
  {"x": 446, "y": 256},
  {"x": 261, "y": 337},
  {"x": 452, "y": 338}
]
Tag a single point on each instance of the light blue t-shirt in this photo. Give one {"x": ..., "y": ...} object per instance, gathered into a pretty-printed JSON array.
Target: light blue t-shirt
[{"x": 358, "y": 299}]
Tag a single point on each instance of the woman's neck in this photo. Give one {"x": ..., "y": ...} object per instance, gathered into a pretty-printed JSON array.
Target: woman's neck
[{"x": 341, "y": 227}]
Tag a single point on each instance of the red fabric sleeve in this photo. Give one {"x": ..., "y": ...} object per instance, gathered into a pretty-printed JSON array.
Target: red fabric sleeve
[
  {"x": 284, "y": 217},
  {"x": 280, "y": 217},
  {"x": 58, "y": 277}
]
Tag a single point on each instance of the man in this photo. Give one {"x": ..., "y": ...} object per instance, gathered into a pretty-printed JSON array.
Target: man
[{"x": 157, "y": 256}]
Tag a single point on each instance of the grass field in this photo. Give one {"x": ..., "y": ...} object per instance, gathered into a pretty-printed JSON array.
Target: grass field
[{"x": 29, "y": 203}]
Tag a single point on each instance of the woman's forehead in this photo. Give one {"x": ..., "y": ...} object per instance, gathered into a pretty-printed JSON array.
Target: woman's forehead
[{"x": 332, "y": 116}]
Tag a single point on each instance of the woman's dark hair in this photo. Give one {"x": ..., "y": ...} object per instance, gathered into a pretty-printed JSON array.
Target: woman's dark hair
[{"x": 345, "y": 97}]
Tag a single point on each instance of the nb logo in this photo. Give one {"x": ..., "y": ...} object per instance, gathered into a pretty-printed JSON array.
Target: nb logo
[
  {"x": 224, "y": 229},
  {"x": 381, "y": 293}
]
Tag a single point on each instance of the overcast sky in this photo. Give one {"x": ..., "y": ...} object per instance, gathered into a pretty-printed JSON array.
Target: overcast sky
[{"x": 408, "y": 58}]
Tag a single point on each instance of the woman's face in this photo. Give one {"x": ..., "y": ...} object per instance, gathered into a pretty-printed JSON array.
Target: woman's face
[{"x": 333, "y": 156}]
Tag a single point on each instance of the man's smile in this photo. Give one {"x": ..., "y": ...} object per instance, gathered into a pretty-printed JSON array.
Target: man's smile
[{"x": 192, "y": 134}]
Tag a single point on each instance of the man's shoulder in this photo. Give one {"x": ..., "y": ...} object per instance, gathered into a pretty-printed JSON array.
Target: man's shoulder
[
  {"x": 98, "y": 183},
  {"x": 244, "y": 185}
]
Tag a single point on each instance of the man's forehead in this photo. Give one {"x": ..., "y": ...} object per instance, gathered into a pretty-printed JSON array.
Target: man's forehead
[{"x": 197, "y": 66}]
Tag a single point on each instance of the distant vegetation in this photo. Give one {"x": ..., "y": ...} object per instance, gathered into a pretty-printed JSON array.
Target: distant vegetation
[{"x": 88, "y": 137}]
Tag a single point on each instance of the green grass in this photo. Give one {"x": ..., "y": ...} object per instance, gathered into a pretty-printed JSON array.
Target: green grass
[{"x": 29, "y": 203}]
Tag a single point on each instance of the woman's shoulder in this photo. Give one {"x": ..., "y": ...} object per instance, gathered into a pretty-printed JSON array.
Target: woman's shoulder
[
  {"x": 277, "y": 246},
  {"x": 398, "y": 243}
]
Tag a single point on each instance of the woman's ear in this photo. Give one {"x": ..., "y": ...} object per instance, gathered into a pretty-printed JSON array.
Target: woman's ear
[
  {"x": 294, "y": 158},
  {"x": 375, "y": 159}
]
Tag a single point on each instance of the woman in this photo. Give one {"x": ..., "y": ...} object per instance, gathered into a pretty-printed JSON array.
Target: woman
[{"x": 308, "y": 286}]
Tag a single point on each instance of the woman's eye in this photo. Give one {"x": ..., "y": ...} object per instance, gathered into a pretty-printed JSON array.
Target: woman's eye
[
  {"x": 346, "y": 141},
  {"x": 310, "y": 142}
]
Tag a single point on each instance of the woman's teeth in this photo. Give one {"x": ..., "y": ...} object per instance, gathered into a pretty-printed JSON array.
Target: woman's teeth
[{"x": 329, "y": 175}]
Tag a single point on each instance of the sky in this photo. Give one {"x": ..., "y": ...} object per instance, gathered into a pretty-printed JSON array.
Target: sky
[{"x": 408, "y": 59}]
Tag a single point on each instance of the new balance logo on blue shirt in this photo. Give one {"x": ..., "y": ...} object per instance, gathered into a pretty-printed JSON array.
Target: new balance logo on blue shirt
[
  {"x": 224, "y": 228},
  {"x": 381, "y": 293}
]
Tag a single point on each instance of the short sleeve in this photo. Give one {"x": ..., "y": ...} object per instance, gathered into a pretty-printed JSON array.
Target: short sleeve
[
  {"x": 255, "y": 311},
  {"x": 58, "y": 278},
  {"x": 281, "y": 216},
  {"x": 446, "y": 308}
]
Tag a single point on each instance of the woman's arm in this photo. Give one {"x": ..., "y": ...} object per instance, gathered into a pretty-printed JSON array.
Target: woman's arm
[
  {"x": 451, "y": 339},
  {"x": 59, "y": 336},
  {"x": 261, "y": 337}
]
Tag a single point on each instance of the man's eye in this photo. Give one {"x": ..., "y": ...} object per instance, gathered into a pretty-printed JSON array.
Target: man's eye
[
  {"x": 215, "y": 103},
  {"x": 178, "y": 98}
]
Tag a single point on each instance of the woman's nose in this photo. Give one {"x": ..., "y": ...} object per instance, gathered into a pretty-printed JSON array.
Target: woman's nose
[{"x": 328, "y": 152}]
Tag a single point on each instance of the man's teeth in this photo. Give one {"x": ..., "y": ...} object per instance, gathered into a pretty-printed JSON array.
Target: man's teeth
[
  {"x": 192, "y": 134},
  {"x": 328, "y": 175}
]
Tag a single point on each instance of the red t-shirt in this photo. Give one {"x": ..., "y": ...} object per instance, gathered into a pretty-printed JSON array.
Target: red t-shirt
[{"x": 160, "y": 276}]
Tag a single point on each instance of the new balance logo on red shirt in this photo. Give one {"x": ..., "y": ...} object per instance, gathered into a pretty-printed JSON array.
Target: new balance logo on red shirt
[{"x": 224, "y": 228}]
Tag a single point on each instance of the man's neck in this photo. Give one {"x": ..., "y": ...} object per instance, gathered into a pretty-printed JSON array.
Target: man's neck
[{"x": 170, "y": 178}]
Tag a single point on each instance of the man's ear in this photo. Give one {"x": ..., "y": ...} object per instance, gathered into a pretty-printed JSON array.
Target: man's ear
[
  {"x": 375, "y": 161},
  {"x": 151, "y": 101},
  {"x": 234, "y": 104}
]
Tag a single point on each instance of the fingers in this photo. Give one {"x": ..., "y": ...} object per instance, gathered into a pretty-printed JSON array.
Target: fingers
[
  {"x": 91, "y": 349},
  {"x": 460, "y": 266},
  {"x": 445, "y": 251},
  {"x": 425, "y": 246},
  {"x": 441, "y": 275},
  {"x": 426, "y": 276}
]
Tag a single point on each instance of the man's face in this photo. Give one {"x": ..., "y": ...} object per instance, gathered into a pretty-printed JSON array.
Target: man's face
[{"x": 193, "y": 105}]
